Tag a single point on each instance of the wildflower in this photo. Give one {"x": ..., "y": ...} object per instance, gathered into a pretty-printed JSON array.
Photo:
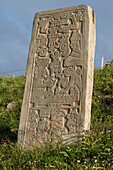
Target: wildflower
[
  {"x": 78, "y": 161},
  {"x": 94, "y": 167},
  {"x": 51, "y": 166}
]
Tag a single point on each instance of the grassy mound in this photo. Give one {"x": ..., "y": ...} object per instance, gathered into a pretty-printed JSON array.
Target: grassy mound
[{"x": 95, "y": 151}]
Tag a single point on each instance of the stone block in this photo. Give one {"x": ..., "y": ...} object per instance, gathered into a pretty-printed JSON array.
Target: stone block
[{"x": 59, "y": 77}]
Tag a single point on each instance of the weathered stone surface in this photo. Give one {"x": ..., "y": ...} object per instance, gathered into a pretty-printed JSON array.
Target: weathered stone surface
[{"x": 59, "y": 77}]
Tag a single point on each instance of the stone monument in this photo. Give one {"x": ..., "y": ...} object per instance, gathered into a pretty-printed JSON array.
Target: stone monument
[{"x": 59, "y": 77}]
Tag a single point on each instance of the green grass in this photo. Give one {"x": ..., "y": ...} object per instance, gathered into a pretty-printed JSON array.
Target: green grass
[{"x": 95, "y": 151}]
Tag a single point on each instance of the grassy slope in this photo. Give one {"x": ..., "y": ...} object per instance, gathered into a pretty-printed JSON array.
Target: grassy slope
[{"x": 94, "y": 151}]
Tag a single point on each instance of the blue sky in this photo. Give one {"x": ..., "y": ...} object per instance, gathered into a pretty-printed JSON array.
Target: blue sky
[{"x": 16, "y": 19}]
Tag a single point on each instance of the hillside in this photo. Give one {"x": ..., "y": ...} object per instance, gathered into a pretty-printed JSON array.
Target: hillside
[{"x": 95, "y": 151}]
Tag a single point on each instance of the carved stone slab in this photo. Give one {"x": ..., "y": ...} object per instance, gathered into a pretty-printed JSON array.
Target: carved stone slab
[{"x": 59, "y": 77}]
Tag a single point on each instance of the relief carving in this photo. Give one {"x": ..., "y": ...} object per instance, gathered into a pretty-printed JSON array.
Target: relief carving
[
  {"x": 41, "y": 70},
  {"x": 42, "y": 125},
  {"x": 41, "y": 41},
  {"x": 71, "y": 123},
  {"x": 43, "y": 25},
  {"x": 76, "y": 43},
  {"x": 59, "y": 77},
  {"x": 56, "y": 92}
]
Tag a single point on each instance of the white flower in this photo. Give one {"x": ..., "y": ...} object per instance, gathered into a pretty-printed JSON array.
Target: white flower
[{"x": 78, "y": 161}]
